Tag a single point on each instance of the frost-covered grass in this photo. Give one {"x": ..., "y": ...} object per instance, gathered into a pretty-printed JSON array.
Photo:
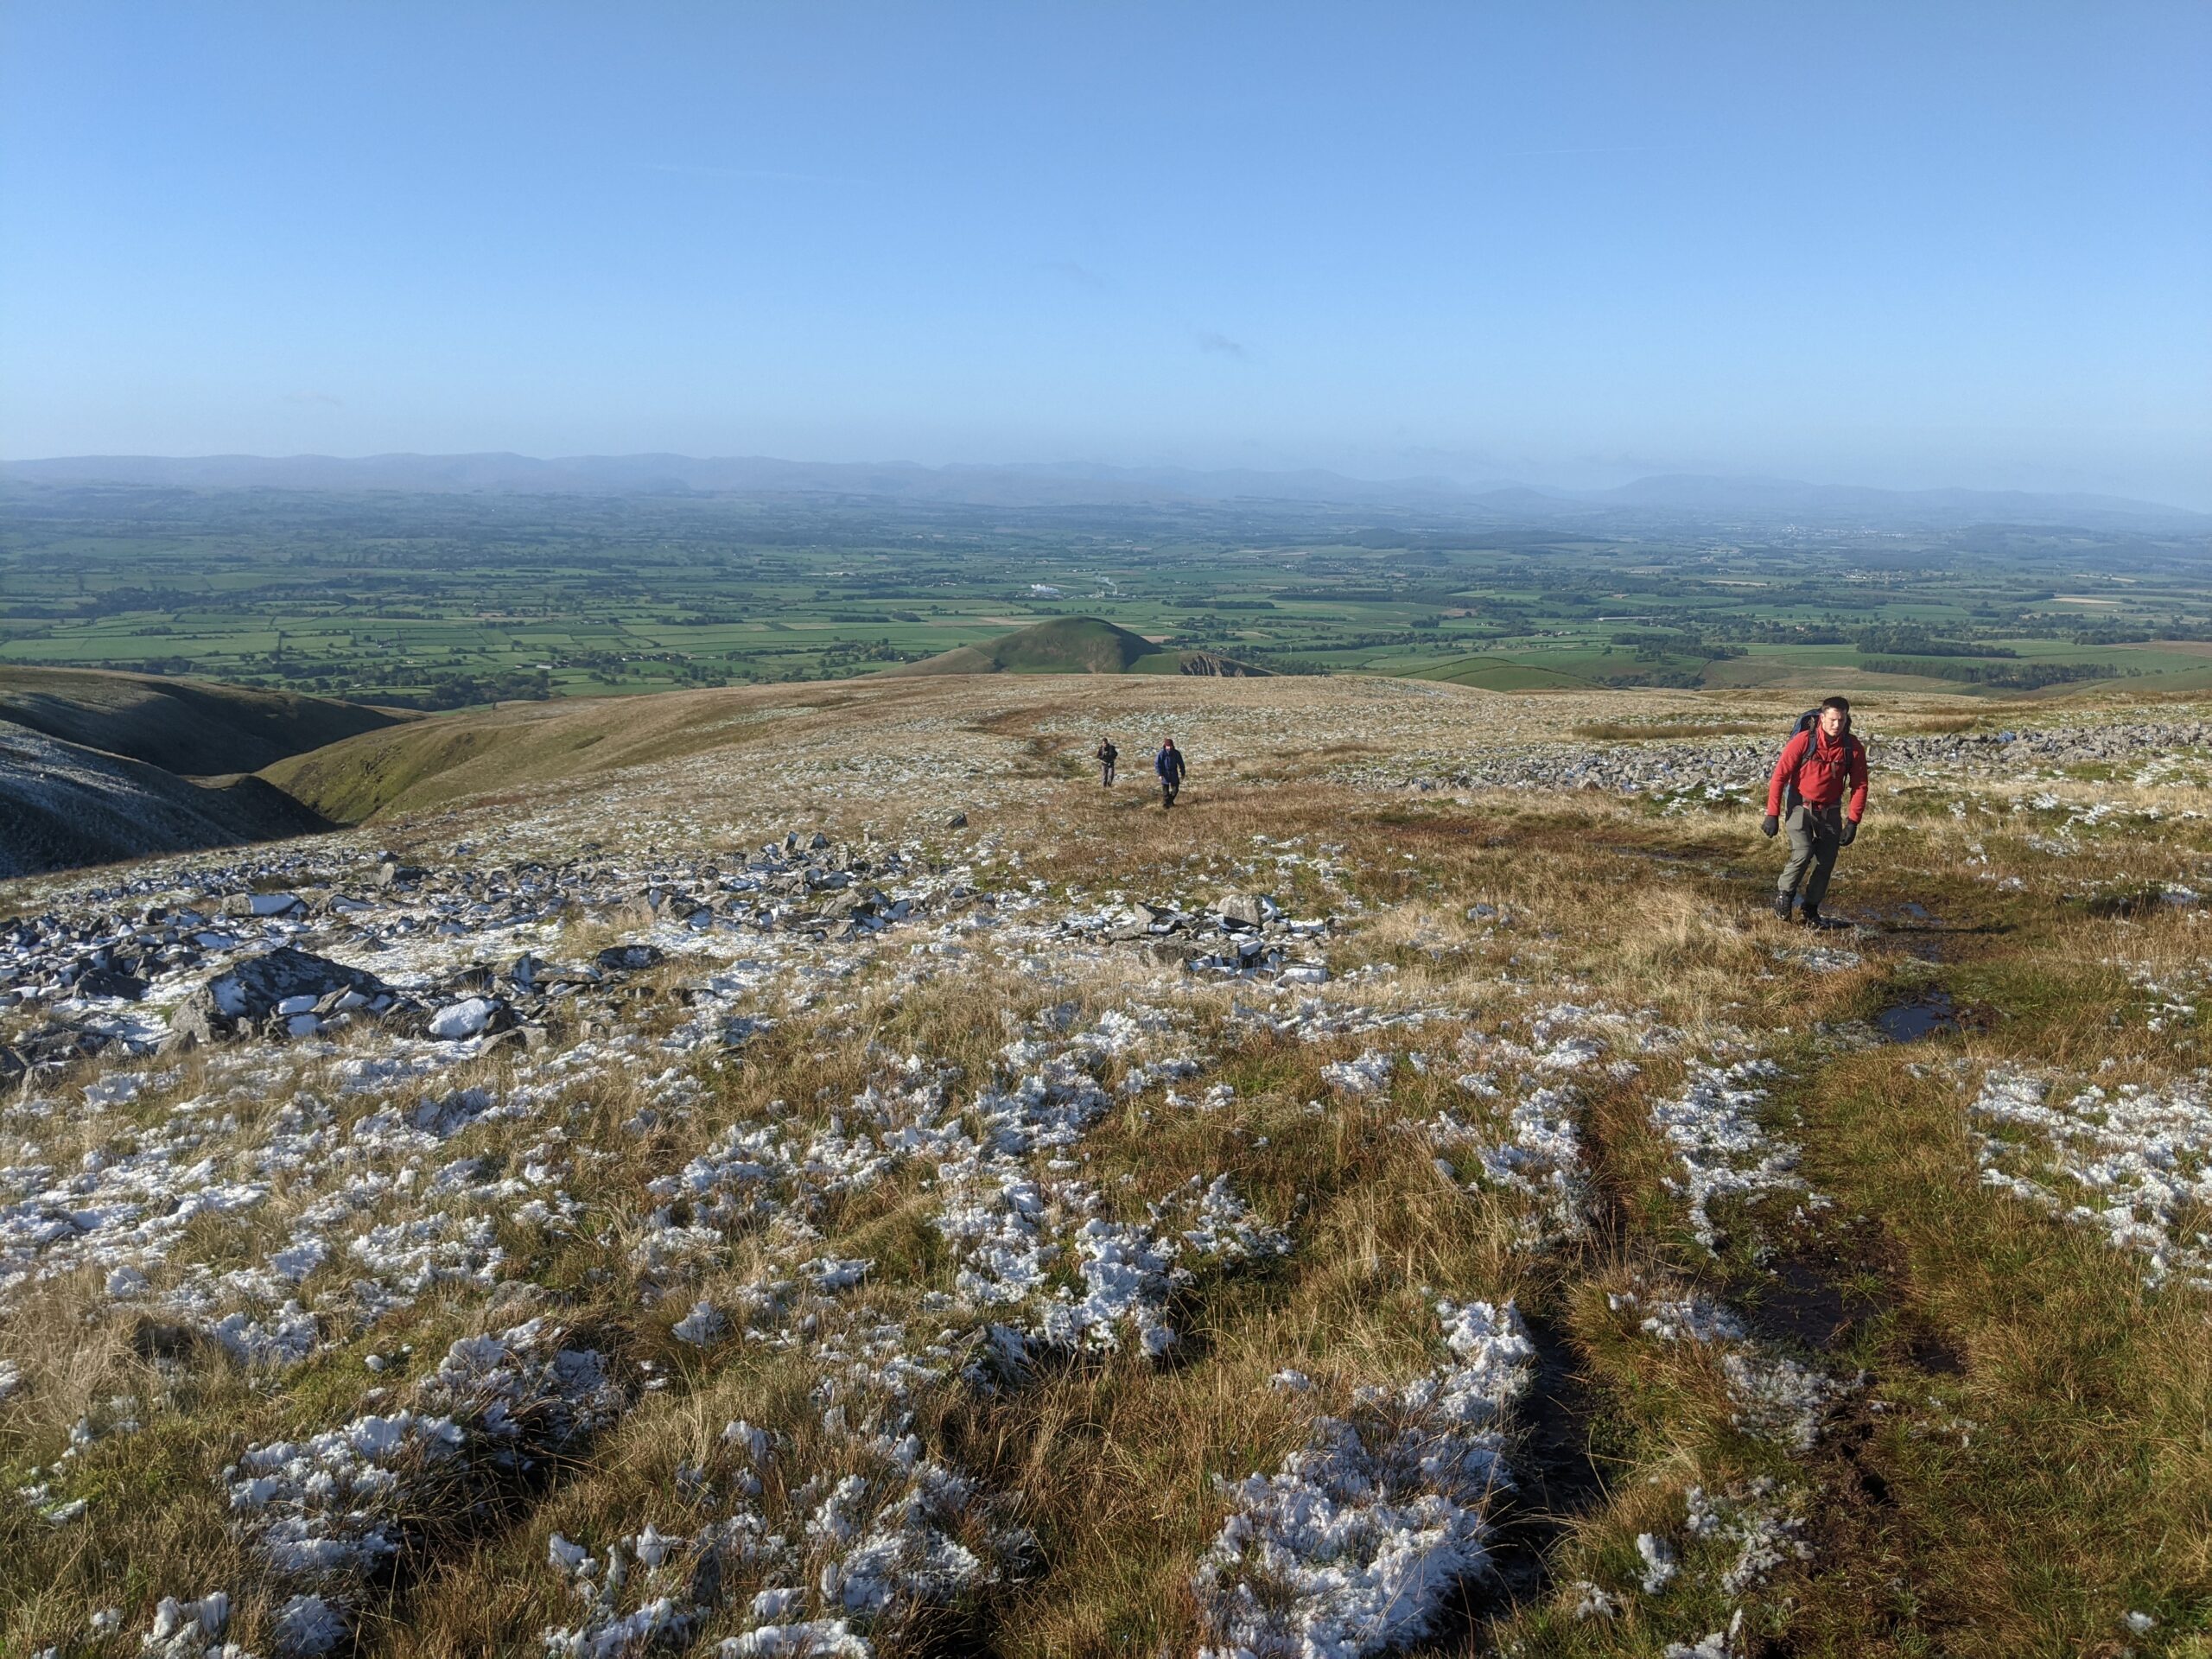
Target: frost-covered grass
[{"x": 988, "y": 1283}]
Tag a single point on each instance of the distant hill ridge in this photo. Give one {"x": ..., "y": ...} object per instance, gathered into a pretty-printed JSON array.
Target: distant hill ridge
[{"x": 1075, "y": 483}]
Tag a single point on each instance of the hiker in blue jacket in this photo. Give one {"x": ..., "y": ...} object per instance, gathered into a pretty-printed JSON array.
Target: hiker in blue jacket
[{"x": 1169, "y": 765}]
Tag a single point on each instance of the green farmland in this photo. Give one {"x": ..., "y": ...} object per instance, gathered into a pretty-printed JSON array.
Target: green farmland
[{"x": 444, "y": 601}]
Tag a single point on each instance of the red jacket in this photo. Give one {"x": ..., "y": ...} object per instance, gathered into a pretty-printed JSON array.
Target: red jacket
[{"x": 1819, "y": 765}]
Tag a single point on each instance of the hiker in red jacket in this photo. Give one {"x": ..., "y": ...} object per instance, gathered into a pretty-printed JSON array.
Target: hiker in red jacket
[{"x": 1809, "y": 784}]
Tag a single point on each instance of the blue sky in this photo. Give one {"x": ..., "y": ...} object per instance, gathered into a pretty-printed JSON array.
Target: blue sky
[{"x": 1907, "y": 245}]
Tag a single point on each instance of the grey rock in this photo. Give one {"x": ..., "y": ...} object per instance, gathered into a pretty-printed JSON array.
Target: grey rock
[
  {"x": 1239, "y": 909},
  {"x": 246, "y": 996},
  {"x": 110, "y": 981}
]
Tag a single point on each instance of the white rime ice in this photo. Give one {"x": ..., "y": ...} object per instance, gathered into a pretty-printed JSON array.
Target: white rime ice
[
  {"x": 1713, "y": 1126},
  {"x": 1036, "y": 1250},
  {"x": 1352, "y": 1547},
  {"x": 1368, "y": 1075},
  {"x": 1751, "y": 1516},
  {"x": 814, "y": 1638},
  {"x": 187, "y": 1629},
  {"x": 703, "y": 1326},
  {"x": 1777, "y": 1398},
  {"x": 842, "y": 1553},
  {"x": 330, "y": 1510},
  {"x": 1659, "y": 1563},
  {"x": 308, "y": 1626},
  {"x": 2132, "y": 1163}
]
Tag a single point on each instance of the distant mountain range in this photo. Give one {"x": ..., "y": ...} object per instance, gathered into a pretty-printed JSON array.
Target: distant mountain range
[{"x": 1764, "y": 501}]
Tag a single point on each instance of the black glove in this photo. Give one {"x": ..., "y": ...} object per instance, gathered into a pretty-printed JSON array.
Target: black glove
[
  {"x": 1769, "y": 825},
  {"x": 1850, "y": 832}
]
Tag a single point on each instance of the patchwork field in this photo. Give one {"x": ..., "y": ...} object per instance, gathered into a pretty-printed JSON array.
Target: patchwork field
[
  {"x": 454, "y": 601},
  {"x": 806, "y": 1170}
]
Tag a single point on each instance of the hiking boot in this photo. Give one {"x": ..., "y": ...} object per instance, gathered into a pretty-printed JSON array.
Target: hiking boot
[
  {"x": 1782, "y": 902},
  {"x": 1811, "y": 917}
]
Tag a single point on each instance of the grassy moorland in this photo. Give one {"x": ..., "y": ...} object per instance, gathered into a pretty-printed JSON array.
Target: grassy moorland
[{"x": 1673, "y": 1280}]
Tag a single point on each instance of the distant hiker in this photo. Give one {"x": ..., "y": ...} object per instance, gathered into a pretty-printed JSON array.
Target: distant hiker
[
  {"x": 1107, "y": 754},
  {"x": 1169, "y": 765},
  {"x": 1817, "y": 765}
]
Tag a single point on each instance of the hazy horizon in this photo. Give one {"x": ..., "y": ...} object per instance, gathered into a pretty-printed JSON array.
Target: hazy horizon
[
  {"x": 1373, "y": 486},
  {"x": 1959, "y": 250}
]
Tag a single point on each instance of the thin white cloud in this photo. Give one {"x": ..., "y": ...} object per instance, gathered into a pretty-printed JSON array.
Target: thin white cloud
[
  {"x": 757, "y": 175},
  {"x": 1069, "y": 271},
  {"x": 1593, "y": 149}
]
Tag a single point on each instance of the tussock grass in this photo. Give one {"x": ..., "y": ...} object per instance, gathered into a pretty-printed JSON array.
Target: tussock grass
[{"x": 2027, "y": 1457}]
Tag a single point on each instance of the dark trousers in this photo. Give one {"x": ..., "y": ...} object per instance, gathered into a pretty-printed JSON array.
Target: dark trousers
[
  {"x": 1105, "y": 771},
  {"x": 1815, "y": 834},
  {"x": 1167, "y": 788}
]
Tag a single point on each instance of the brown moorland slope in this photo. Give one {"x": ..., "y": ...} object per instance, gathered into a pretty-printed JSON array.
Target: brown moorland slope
[{"x": 1009, "y": 1236}]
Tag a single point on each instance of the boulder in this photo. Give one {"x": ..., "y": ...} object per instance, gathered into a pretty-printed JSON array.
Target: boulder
[
  {"x": 110, "y": 981},
  {"x": 1246, "y": 909},
  {"x": 264, "y": 904},
  {"x": 1173, "y": 953},
  {"x": 53, "y": 1045},
  {"x": 247, "y": 997}
]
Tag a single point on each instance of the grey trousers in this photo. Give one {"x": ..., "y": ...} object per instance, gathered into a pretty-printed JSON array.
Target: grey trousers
[{"x": 1815, "y": 834}]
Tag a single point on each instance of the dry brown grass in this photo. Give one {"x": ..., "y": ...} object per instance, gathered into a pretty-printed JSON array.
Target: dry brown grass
[{"x": 2080, "y": 1492}]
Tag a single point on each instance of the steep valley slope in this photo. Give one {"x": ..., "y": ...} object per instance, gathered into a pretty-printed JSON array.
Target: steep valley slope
[
  {"x": 811, "y": 1171},
  {"x": 97, "y": 767},
  {"x": 192, "y": 728}
]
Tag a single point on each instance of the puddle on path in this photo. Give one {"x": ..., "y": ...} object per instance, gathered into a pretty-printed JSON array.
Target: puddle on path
[{"x": 1929, "y": 1014}]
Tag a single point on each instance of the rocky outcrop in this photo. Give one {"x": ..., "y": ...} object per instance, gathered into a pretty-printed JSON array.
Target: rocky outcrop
[
  {"x": 243, "y": 957},
  {"x": 1238, "y": 933},
  {"x": 284, "y": 992}
]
